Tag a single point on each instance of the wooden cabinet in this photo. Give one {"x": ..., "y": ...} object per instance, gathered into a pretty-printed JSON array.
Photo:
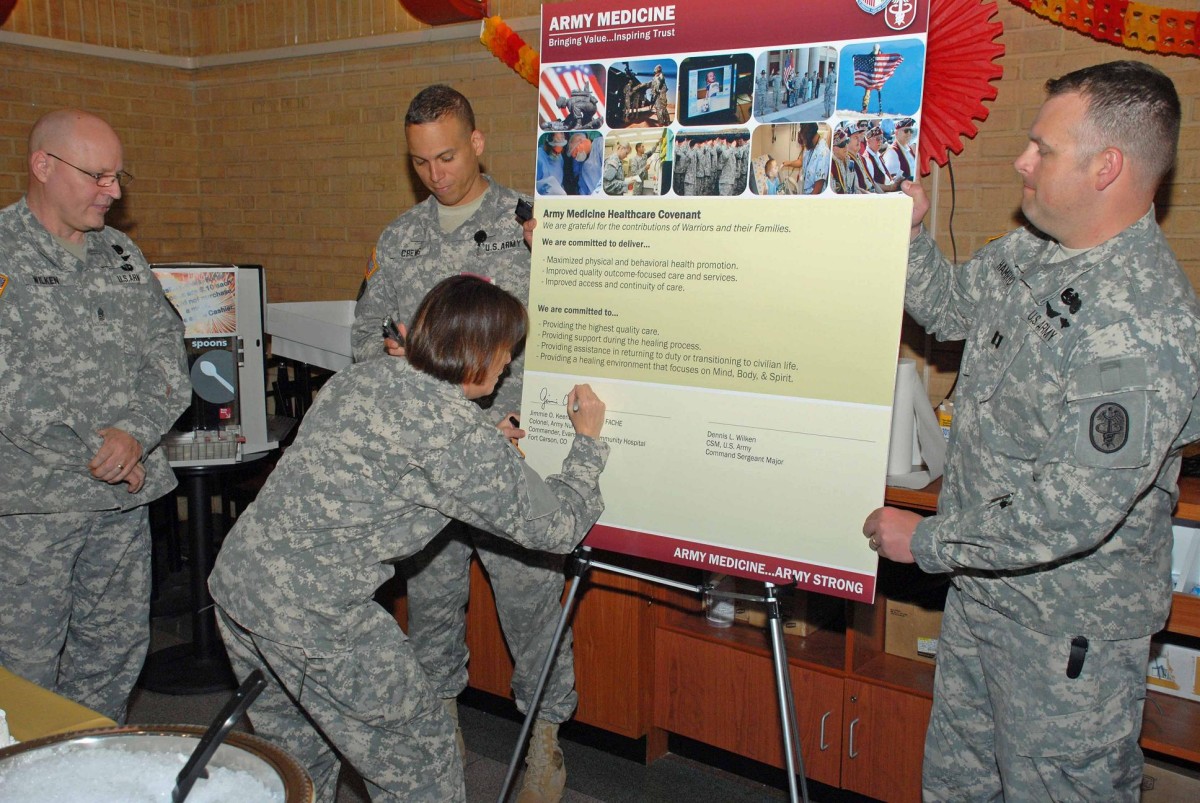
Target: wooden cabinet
[
  {"x": 884, "y": 738},
  {"x": 861, "y": 720},
  {"x": 726, "y": 697}
]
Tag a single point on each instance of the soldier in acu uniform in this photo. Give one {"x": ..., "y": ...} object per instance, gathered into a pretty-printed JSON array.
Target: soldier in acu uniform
[
  {"x": 1077, "y": 391},
  {"x": 92, "y": 373},
  {"x": 392, "y": 450},
  {"x": 658, "y": 96},
  {"x": 631, "y": 93},
  {"x": 580, "y": 110},
  {"x": 614, "y": 170},
  {"x": 468, "y": 226},
  {"x": 830, "y": 87},
  {"x": 760, "y": 93},
  {"x": 639, "y": 160}
]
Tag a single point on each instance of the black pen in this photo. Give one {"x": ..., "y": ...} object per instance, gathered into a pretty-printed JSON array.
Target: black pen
[{"x": 516, "y": 422}]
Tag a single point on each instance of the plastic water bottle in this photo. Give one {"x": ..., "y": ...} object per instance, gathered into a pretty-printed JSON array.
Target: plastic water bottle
[{"x": 718, "y": 610}]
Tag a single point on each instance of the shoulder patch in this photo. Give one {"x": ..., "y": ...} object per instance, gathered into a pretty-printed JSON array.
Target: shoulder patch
[
  {"x": 1109, "y": 427},
  {"x": 3, "y": 284},
  {"x": 372, "y": 266}
]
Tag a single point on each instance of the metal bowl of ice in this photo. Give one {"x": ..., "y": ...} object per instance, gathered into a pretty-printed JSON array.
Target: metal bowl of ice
[{"x": 139, "y": 764}]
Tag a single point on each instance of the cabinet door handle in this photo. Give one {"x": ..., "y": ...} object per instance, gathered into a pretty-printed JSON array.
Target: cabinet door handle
[
  {"x": 821, "y": 743},
  {"x": 853, "y": 727}
]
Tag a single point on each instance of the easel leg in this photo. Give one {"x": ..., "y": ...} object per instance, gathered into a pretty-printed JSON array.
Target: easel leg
[
  {"x": 793, "y": 756},
  {"x": 579, "y": 563}
]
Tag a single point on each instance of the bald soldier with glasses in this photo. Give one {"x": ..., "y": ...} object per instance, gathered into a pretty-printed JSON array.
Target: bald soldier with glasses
[{"x": 92, "y": 373}]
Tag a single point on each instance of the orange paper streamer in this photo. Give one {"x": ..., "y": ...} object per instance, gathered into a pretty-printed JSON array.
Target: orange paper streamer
[
  {"x": 1137, "y": 26},
  {"x": 506, "y": 45}
]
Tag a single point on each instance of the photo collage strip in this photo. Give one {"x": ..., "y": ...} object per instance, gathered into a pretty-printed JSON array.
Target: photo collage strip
[{"x": 826, "y": 119}]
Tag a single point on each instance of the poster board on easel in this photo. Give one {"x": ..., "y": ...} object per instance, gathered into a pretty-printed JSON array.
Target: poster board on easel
[{"x": 744, "y": 341}]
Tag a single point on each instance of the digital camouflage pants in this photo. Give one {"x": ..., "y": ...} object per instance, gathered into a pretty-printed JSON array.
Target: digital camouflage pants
[
  {"x": 1008, "y": 724},
  {"x": 528, "y": 587},
  {"x": 75, "y": 603},
  {"x": 370, "y": 703}
]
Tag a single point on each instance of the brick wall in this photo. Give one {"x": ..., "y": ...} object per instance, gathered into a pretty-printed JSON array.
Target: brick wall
[
  {"x": 297, "y": 163},
  {"x": 303, "y": 160},
  {"x": 152, "y": 26},
  {"x": 161, "y": 209}
]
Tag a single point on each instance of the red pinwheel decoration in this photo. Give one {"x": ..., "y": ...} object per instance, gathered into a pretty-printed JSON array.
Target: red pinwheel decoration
[{"x": 959, "y": 68}]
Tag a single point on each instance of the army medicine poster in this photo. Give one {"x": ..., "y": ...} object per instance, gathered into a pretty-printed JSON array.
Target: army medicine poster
[{"x": 721, "y": 257}]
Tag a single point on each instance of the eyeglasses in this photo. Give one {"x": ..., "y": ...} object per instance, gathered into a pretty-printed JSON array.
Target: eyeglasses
[{"x": 120, "y": 178}]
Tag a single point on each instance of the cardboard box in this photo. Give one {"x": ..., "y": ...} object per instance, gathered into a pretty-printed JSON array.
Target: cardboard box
[
  {"x": 1169, "y": 783},
  {"x": 1174, "y": 669},
  {"x": 801, "y": 612},
  {"x": 34, "y": 712},
  {"x": 912, "y": 631}
]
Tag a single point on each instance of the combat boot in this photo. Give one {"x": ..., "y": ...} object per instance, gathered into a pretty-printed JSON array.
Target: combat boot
[
  {"x": 451, "y": 706},
  {"x": 545, "y": 773}
]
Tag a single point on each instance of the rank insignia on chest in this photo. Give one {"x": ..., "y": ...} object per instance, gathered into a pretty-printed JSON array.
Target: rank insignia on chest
[{"x": 1109, "y": 427}]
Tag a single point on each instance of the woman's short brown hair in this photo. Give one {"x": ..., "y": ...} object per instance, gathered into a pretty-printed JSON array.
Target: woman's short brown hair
[{"x": 461, "y": 327}]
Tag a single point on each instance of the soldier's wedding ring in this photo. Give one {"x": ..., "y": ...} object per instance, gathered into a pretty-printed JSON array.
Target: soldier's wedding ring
[
  {"x": 874, "y": 543},
  {"x": 120, "y": 466}
]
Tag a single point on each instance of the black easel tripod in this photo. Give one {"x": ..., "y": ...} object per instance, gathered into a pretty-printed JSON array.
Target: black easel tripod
[{"x": 580, "y": 562}]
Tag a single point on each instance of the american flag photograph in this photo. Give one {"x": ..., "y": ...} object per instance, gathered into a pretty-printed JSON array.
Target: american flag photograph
[
  {"x": 560, "y": 82},
  {"x": 886, "y": 74},
  {"x": 871, "y": 70}
]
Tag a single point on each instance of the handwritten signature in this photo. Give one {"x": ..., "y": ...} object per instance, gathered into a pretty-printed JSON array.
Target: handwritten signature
[{"x": 547, "y": 401}]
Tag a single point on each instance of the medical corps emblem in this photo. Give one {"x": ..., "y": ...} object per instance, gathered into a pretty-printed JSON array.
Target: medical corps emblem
[
  {"x": 900, "y": 13},
  {"x": 1109, "y": 427}
]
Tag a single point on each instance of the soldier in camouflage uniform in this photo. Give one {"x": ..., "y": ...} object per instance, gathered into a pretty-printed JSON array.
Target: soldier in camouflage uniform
[
  {"x": 760, "y": 93},
  {"x": 614, "y": 170},
  {"x": 391, "y": 451},
  {"x": 730, "y": 153},
  {"x": 468, "y": 226},
  {"x": 639, "y": 160},
  {"x": 1077, "y": 391},
  {"x": 580, "y": 110},
  {"x": 682, "y": 169},
  {"x": 830, "y": 89},
  {"x": 92, "y": 373},
  {"x": 659, "y": 97}
]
